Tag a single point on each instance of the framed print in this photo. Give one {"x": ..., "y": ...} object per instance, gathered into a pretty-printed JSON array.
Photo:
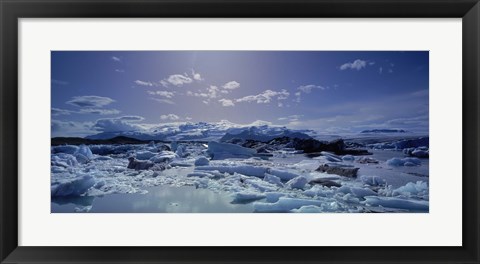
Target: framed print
[{"x": 230, "y": 131}]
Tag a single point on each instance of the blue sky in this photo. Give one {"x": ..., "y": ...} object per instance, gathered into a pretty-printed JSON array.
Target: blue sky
[{"x": 328, "y": 91}]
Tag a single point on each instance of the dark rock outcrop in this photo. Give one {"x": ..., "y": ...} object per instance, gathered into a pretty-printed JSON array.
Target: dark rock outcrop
[
  {"x": 139, "y": 165},
  {"x": 339, "y": 170},
  {"x": 325, "y": 182},
  {"x": 311, "y": 145},
  {"x": 367, "y": 160}
]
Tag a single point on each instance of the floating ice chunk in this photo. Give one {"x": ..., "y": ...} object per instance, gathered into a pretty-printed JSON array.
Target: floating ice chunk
[
  {"x": 399, "y": 203},
  {"x": 284, "y": 204},
  {"x": 307, "y": 165},
  {"x": 344, "y": 189},
  {"x": 273, "y": 179},
  {"x": 85, "y": 151},
  {"x": 283, "y": 175},
  {"x": 362, "y": 192},
  {"x": 73, "y": 187},
  {"x": 404, "y": 162},
  {"x": 181, "y": 163},
  {"x": 241, "y": 169},
  {"x": 173, "y": 146},
  {"x": 164, "y": 156},
  {"x": 348, "y": 158},
  {"x": 226, "y": 150},
  {"x": 261, "y": 185},
  {"x": 331, "y": 157},
  {"x": 297, "y": 183},
  {"x": 245, "y": 197},
  {"x": 350, "y": 198},
  {"x": 82, "y": 209},
  {"x": 99, "y": 184},
  {"x": 81, "y": 158},
  {"x": 308, "y": 209},
  {"x": 63, "y": 160},
  {"x": 420, "y": 153},
  {"x": 419, "y": 188},
  {"x": 201, "y": 161},
  {"x": 181, "y": 151},
  {"x": 272, "y": 197},
  {"x": 57, "y": 169},
  {"x": 319, "y": 190},
  {"x": 372, "y": 180},
  {"x": 68, "y": 149},
  {"x": 144, "y": 155}
]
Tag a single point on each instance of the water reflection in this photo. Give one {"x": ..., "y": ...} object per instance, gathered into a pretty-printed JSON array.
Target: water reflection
[{"x": 160, "y": 199}]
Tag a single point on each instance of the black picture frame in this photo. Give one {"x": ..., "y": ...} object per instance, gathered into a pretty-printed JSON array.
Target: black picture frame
[{"x": 12, "y": 10}]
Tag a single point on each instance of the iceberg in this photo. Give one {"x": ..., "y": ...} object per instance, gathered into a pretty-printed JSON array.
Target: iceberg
[
  {"x": 202, "y": 161},
  {"x": 73, "y": 187},
  {"x": 273, "y": 179},
  {"x": 284, "y": 204},
  {"x": 164, "y": 156},
  {"x": 283, "y": 175},
  {"x": 396, "y": 162},
  {"x": 220, "y": 151},
  {"x": 245, "y": 197},
  {"x": 85, "y": 151},
  {"x": 297, "y": 183},
  {"x": 397, "y": 203},
  {"x": 144, "y": 155},
  {"x": 68, "y": 149}
]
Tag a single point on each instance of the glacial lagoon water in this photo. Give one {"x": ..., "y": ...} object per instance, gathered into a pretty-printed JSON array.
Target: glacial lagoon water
[{"x": 159, "y": 199}]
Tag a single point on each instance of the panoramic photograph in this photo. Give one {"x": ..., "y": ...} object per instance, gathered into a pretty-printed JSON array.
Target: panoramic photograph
[{"x": 239, "y": 132}]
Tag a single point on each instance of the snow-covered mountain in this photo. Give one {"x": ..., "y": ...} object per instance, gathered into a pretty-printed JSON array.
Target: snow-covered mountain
[{"x": 203, "y": 131}]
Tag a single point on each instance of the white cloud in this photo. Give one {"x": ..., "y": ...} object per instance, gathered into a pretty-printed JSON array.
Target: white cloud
[
  {"x": 179, "y": 79},
  {"x": 143, "y": 83},
  {"x": 119, "y": 70},
  {"x": 205, "y": 102},
  {"x": 163, "y": 101},
  {"x": 355, "y": 65},
  {"x": 197, "y": 76},
  {"x": 90, "y": 101},
  {"x": 116, "y": 58},
  {"x": 114, "y": 125},
  {"x": 166, "y": 94},
  {"x": 172, "y": 117},
  {"x": 72, "y": 129},
  {"x": 132, "y": 118},
  {"x": 418, "y": 121},
  {"x": 380, "y": 70},
  {"x": 308, "y": 88},
  {"x": 211, "y": 92},
  {"x": 290, "y": 118},
  {"x": 164, "y": 83},
  {"x": 265, "y": 97},
  {"x": 226, "y": 102},
  {"x": 231, "y": 85},
  {"x": 58, "y": 111},
  {"x": 98, "y": 111}
]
